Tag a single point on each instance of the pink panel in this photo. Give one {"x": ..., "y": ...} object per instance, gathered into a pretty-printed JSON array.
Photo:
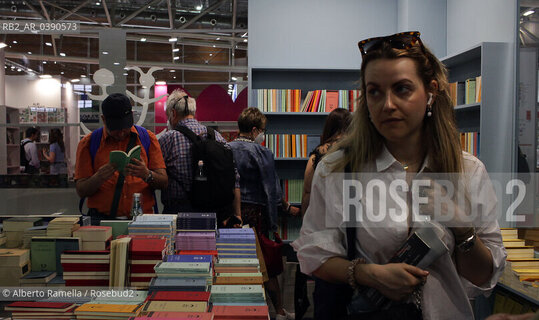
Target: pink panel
[
  {"x": 214, "y": 104},
  {"x": 160, "y": 114}
]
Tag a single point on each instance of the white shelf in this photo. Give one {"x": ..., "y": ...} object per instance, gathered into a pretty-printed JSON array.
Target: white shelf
[{"x": 49, "y": 124}]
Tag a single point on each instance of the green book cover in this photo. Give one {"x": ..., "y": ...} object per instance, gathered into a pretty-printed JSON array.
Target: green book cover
[
  {"x": 119, "y": 159},
  {"x": 119, "y": 227},
  {"x": 43, "y": 254}
]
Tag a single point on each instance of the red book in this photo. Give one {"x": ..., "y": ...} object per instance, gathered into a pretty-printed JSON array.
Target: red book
[
  {"x": 85, "y": 266},
  {"x": 179, "y": 296},
  {"x": 240, "y": 312},
  {"x": 140, "y": 279},
  {"x": 142, "y": 268},
  {"x": 39, "y": 306},
  {"x": 332, "y": 100},
  {"x": 179, "y": 315},
  {"x": 87, "y": 283},
  {"x": 147, "y": 247},
  {"x": 199, "y": 252}
]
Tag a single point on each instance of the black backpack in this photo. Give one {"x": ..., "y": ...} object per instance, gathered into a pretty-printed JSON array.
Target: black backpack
[
  {"x": 217, "y": 191},
  {"x": 24, "y": 162}
]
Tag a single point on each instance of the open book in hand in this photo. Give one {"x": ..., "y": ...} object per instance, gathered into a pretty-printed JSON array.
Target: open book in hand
[
  {"x": 421, "y": 249},
  {"x": 119, "y": 159}
]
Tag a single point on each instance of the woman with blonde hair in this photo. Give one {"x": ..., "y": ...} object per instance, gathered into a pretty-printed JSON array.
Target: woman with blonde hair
[{"x": 403, "y": 129}]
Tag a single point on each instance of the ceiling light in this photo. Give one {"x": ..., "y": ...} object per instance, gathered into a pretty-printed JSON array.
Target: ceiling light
[
  {"x": 75, "y": 80},
  {"x": 83, "y": 76},
  {"x": 199, "y": 7},
  {"x": 218, "y": 39},
  {"x": 172, "y": 70},
  {"x": 19, "y": 69},
  {"x": 48, "y": 44},
  {"x": 176, "y": 58},
  {"x": 244, "y": 35},
  {"x": 97, "y": 3},
  {"x": 105, "y": 52},
  {"x": 143, "y": 39},
  {"x": 175, "y": 49},
  {"x": 125, "y": 74},
  {"x": 214, "y": 46},
  {"x": 144, "y": 87},
  {"x": 116, "y": 63},
  {"x": 172, "y": 39},
  {"x": 161, "y": 83},
  {"x": 14, "y": 41},
  {"x": 529, "y": 12},
  {"x": 61, "y": 72},
  {"x": 234, "y": 78},
  {"x": 29, "y": 52},
  {"x": 174, "y": 77},
  {"x": 44, "y": 62},
  {"x": 211, "y": 54},
  {"x": 2, "y": 45},
  {"x": 62, "y": 54},
  {"x": 45, "y": 76},
  {"x": 244, "y": 40}
]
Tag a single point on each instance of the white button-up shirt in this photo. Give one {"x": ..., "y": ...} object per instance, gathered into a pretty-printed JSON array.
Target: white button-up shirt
[{"x": 446, "y": 294}]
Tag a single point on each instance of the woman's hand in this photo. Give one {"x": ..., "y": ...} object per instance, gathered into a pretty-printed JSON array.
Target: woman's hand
[{"x": 396, "y": 281}]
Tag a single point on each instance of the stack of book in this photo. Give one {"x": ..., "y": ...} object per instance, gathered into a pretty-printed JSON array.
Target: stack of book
[
  {"x": 144, "y": 254},
  {"x": 197, "y": 221},
  {"x": 14, "y": 229},
  {"x": 119, "y": 227},
  {"x": 38, "y": 231},
  {"x": 41, "y": 310},
  {"x": 37, "y": 278},
  {"x": 185, "y": 270},
  {"x": 94, "y": 237},
  {"x": 15, "y": 264},
  {"x": 176, "y": 301},
  {"x": 246, "y": 295},
  {"x": 86, "y": 268},
  {"x": 195, "y": 240},
  {"x": 160, "y": 315},
  {"x": 46, "y": 252},
  {"x": 175, "y": 284},
  {"x": 96, "y": 311},
  {"x": 240, "y": 312},
  {"x": 3, "y": 239},
  {"x": 236, "y": 243},
  {"x": 227, "y": 265},
  {"x": 531, "y": 236},
  {"x": 62, "y": 226},
  {"x": 119, "y": 249},
  {"x": 155, "y": 225},
  {"x": 514, "y": 247}
]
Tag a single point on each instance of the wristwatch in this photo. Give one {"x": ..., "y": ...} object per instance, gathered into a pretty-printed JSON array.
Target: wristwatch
[
  {"x": 149, "y": 178},
  {"x": 467, "y": 244}
]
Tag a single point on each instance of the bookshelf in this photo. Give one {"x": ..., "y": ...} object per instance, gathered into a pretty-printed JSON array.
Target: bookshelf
[
  {"x": 493, "y": 117},
  {"x": 309, "y": 123},
  {"x": 9, "y": 140}
]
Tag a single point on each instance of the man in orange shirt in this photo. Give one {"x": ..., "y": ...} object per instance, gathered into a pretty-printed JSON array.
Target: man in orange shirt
[{"x": 97, "y": 178}]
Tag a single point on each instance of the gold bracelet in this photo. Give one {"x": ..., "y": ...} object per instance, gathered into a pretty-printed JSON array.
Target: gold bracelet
[{"x": 352, "y": 270}]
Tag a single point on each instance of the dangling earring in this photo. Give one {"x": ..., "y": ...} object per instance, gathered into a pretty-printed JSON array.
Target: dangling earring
[
  {"x": 429, "y": 106},
  {"x": 429, "y": 111}
]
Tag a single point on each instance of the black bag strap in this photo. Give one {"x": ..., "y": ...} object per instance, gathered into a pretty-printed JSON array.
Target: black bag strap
[
  {"x": 120, "y": 182},
  {"x": 187, "y": 132}
]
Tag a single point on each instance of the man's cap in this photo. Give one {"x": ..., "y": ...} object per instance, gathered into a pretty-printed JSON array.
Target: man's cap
[{"x": 117, "y": 111}]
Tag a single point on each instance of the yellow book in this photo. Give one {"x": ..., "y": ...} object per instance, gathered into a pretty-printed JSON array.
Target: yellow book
[
  {"x": 509, "y": 233},
  {"x": 512, "y": 243},
  {"x": 175, "y": 306},
  {"x": 520, "y": 252},
  {"x": 523, "y": 263},
  {"x": 107, "y": 309}
]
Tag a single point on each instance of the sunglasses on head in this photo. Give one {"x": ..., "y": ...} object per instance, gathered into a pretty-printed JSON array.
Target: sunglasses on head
[{"x": 402, "y": 40}]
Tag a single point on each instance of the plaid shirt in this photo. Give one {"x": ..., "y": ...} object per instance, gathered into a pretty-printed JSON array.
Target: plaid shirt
[{"x": 176, "y": 150}]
